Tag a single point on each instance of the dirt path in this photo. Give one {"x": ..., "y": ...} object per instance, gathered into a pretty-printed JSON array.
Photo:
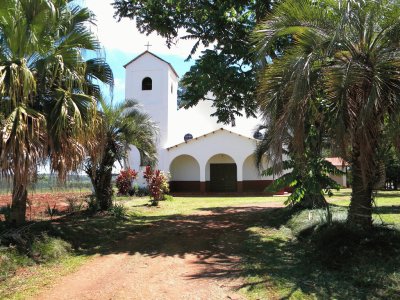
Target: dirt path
[{"x": 188, "y": 257}]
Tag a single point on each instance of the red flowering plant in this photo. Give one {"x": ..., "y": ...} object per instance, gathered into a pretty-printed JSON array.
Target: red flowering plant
[
  {"x": 124, "y": 181},
  {"x": 157, "y": 183}
]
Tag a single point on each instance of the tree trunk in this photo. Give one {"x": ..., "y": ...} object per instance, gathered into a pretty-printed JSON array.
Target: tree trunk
[
  {"x": 101, "y": 176},
  {"x": 360, "y": 210},
  {"x": 18, "y": 204},
  {"x": 103, "y": 188}
]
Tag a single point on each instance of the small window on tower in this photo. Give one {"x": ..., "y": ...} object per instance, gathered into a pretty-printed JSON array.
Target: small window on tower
[
  {"x": 147, "y": 84},
  {"x": 172, "y": 89}
]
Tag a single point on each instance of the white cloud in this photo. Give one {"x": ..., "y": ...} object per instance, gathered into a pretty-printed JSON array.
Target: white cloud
[{"x": 125, "y": 37}]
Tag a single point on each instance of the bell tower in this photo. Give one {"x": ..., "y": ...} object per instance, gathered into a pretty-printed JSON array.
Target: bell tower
[{"x": 153, "y": 82}]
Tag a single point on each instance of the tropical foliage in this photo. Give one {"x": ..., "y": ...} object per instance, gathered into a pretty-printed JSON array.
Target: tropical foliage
[
  {"x": 47, "y": 90},
  {"x": 308, "y": 179},
  {"x": 121, "y": 126},
  {"x": 346, "y": 55},
  {"x": 157, "y": 183},
  {"x": 124, "y": 181}
]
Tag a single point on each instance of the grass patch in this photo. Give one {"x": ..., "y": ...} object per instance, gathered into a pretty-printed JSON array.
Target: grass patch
[
  {"x": 139, "y": 207},
  {"x": 298, "y": 257},
  {"x": 24, "y": 247},
  {"x": 28, "y": 281},
  {"x": 10, "y": 261},
  {"x": 46, "y": 249}
]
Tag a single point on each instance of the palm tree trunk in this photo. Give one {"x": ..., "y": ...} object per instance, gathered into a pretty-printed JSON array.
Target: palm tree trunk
[
  {"x": 103, "y": 188},
  {"x": 101, "y": 176},
  {"x": 360, "y": 210},
  {"x": 101, "y": 182},
  {"x": 19, "y": 199}
]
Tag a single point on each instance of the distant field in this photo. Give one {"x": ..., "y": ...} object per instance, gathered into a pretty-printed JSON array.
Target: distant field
[{"x": 50, "y": 184}]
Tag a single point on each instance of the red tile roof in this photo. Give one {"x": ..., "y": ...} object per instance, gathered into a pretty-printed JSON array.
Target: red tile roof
[{"x": 337, "y": 161}]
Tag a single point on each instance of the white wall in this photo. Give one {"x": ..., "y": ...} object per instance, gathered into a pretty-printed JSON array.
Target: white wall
[
  {"x": 159, "y": 103},
  {"x": 156, "y": 101},
  {"x": 250, "y": 171},
  {"x": 197, "y": 120},
  {"x": 221, "y": 142},
  {"x": 133, "y": 159},
  {"x": 185, "y": 168}
]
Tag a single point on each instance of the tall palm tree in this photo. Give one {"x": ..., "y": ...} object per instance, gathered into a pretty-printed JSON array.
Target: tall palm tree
[
  {"x": 345, "y": 54},
  {"x": 47, "y": 92},
  {"x": 120, "y": 126}
]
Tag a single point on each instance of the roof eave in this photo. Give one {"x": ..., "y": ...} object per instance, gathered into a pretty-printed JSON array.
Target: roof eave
[
  {"x": 204, "y": 135},
  {"x": 156, "y": 56}
]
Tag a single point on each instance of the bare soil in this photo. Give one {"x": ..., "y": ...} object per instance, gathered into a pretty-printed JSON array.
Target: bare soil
[
  {"x": 38, "y": 203},
  {"x": 191, "y": 257}
]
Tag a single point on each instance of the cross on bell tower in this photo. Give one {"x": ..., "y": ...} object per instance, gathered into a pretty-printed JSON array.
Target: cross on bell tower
[{"x": 148, "y": 46}]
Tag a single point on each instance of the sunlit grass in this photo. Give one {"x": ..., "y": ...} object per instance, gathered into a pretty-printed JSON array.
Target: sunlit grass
[
  {"x": 191, "y": 205},
  {"x": 386, "y": 204}
]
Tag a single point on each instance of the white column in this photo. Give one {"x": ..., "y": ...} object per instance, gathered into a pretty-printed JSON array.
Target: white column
[{"x": 202, "y": 165}]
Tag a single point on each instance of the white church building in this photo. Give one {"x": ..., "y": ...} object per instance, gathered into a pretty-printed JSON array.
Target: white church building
[{"x": 201, "y": 155}]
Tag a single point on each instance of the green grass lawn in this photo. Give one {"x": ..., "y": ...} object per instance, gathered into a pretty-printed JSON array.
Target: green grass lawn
[
  {"x": 187, "y": 205},
  {"x": 281, "y": 258}
]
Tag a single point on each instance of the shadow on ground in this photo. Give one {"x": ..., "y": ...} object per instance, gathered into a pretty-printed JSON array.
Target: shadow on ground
[{"x": 227, "y": 247}]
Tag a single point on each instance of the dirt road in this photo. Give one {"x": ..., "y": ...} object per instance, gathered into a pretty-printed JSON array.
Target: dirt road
[{"x": 192, "y": 257}]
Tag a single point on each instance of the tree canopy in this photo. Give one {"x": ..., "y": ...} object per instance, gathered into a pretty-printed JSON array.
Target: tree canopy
[{"x": 226, "y": 68}]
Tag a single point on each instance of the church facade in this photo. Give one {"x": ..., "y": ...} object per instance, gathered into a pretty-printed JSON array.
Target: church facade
[{"x": 200, "y": 155}]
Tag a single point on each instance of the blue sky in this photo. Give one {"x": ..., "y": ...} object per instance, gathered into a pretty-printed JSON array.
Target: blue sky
[{"x": 122, "y": 42}]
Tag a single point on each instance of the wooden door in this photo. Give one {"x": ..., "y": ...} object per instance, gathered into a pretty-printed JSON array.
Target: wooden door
[{"x": 223, "y": 177}]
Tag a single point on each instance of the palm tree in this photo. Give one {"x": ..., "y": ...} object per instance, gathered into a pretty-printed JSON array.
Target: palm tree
[
  {"x": 46, "y": 100},
  {"x": 345, "y": 54},
  {"x": 120, "y": 126}
]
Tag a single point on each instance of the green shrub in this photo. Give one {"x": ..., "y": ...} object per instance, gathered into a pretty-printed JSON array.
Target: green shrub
[
  {"x": 47, "y": 248},
  {"x": 142, "y": 192},
  {"x": 134, "y": 190},
  {"x": 339, "y": 244},
  {"x": 119, "y": 211},
  {"x": 10, "y": 261},
  {"x": 92, "y": 204},
  {"x": 168, "y": 198},
  {"x": 51, "y": 211},
  {"x": 306, "y": 220}
]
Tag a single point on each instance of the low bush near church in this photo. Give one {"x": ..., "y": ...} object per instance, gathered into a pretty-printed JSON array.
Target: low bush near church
[
  {"x": 124, "y": 181},
  {"x": 157, "y": 183}
]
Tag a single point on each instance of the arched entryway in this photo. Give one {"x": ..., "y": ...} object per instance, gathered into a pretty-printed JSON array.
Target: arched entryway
[
  {"x": 221, "y": 174},
  {"x": 252, "y": 179},
  {"x": 185, "y": 174}
]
